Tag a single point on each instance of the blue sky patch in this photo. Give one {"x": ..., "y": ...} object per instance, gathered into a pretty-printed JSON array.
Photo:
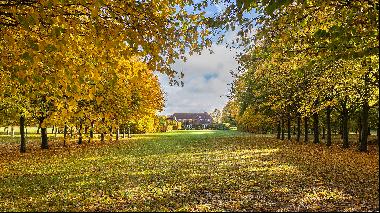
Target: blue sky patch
[{"x": 209, "y": 76}]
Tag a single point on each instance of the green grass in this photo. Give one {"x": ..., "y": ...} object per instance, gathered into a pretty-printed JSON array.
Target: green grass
[{"x": 189, "y": 171}]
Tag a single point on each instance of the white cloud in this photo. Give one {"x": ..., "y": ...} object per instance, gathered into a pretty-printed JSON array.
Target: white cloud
[{"x": 206, "y": 81}]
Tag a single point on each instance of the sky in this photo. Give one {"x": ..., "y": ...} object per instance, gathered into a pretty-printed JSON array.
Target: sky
[
  {"x": 205, "y": 82},
  {"x": 207, "y": 76}
]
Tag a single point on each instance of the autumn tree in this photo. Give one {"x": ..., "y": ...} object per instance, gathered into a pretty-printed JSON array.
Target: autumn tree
[
  {"x": 303, "y": 45},
  {"x": 57, "y": 50},
  {"x": 230, "y": 112}
]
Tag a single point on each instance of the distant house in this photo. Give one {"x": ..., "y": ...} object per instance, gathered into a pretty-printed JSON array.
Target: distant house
[{"x": 190, "y": 120}]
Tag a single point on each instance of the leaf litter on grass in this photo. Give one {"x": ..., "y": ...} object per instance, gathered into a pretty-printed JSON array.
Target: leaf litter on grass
[{"x": 217, "y": 171}]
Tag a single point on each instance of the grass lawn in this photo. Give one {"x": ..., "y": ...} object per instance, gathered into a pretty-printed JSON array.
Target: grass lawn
[{"x": 188, "y": 171}]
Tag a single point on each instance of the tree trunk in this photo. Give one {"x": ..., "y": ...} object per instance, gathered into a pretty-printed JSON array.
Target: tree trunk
[
  {"x": 360, "y": 128},
  {"x": 345, "y": 126},
  {"x": 364, "y": 132},
  {"x": 44, "y": 137},
  {"x": 282, "y": 129},
  {"x": 55, "y": 132},
  {"x": 306, "y": 129},
  {"x": 365, "y": 127},
  {"x": 289, "y": 127},
  {"x": 52, "y": 130},
  {"x": 123, "y": 132},
  {"x": 323, "y": 133},
  {"x": 278, "y": 129},
  {"x": 38, "y": 130},
  {"x": 111, "y": 133},
  {"x": 129, "y": 132},
  {"x": 102, "y": 137},
  {"x": 117, "y": 134},
  {"x": 80, "y": 132},
  {"x": 13, "y": 131},
  {"x": 298, "y": 128},
  {"x": 378, "y": 123},
  {"x": 91, "y": 131},
  {"x": 22, "y": 133},
  {"x": 316, "y": 127},
  {"x": 328, "y": 124},
  {"x": 64, "y": 135}
]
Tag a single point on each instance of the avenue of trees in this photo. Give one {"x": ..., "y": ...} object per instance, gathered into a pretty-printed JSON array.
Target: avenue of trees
[
  {"x": 90, "y": 64},
  {"x": 307, "y": 63}
]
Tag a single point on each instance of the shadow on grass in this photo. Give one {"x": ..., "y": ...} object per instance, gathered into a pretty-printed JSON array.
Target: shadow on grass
[{"x": 191, "y": 172}]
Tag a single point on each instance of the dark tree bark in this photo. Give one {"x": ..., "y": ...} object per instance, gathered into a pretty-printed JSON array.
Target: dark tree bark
[
  {"x": 64, "y": 135},
  {"x": 360, "y": 127},
  {"x": 102, "y": 137},
  {"x": 298, "y": 128},
  {"x": 363, "y": 147},
  {"x": 278, "y": 129},
  {"x": 123, "y": 132},
  {"x": 364, "y": 133},
  {"x": 378, "y": 114},
  {"x": 91, "y": 131},
  {"x": 378, "y": 124},
  {"x": 289, "y": 127},
  {"x": 346, "y": 143},
  {"x": 111, "y": 135},
  {"x": 316, "y": 127},
  {"x": 328, "y": 124},
  {"x": 323, "y": 132},
  {"x": 44, "y": 137},
  {"x": 80, "y": 132},
  {"x": 117, "y": 134},
  {"x": 306, "y": 129},
  {"x": 52, "y": 130},
  {"x": 282, "y": 129},
  {"x": 22, "y": 133}
]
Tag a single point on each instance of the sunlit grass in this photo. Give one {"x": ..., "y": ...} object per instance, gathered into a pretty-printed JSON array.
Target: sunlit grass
[{"x": 190, "y": 171}]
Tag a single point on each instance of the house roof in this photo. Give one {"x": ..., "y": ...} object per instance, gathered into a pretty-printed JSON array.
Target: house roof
[{"x": 203, "y": 115}]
